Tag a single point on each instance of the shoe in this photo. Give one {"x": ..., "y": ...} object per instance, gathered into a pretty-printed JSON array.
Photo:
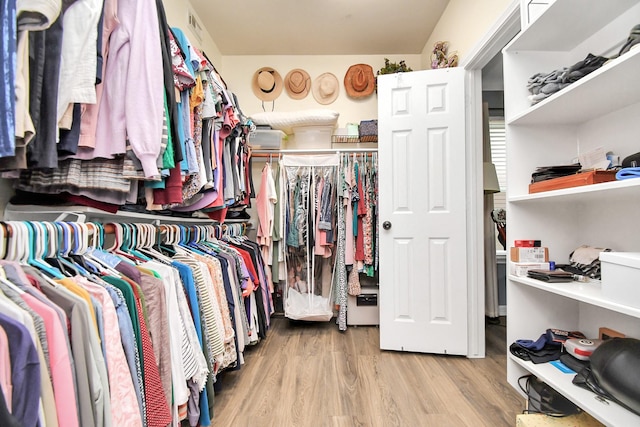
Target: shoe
[{"x": 632, "y": 40}]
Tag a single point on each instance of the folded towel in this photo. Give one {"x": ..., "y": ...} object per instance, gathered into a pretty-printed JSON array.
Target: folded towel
[{"x": 628, "y": 173}]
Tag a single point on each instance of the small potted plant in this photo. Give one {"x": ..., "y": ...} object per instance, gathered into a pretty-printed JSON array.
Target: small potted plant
[{"x": 392, "y": 67}]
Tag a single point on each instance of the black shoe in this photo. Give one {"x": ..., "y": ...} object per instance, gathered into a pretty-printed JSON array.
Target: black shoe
[{"x": 632, "y": 40}]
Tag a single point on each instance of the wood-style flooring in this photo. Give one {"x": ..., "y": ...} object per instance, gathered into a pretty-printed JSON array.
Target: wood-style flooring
[{"x": 311, "y": 374}]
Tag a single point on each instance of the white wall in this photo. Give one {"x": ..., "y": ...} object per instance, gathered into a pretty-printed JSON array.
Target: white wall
[
  {"x": 462, "y": 24},
  {"x": 239, "y": 71},
  {"x": 177, "y": 15}
]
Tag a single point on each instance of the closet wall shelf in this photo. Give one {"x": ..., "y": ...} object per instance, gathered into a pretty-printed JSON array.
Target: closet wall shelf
[
  {"x": 614, "y": 85},
  {"x": 607, "y": 412},
  {"x": 560, "y": 28},
  {"x": 341, "y": 148},
  {"x": 85, "y": 213},
  {"x": 606, "y": 191},
  {"x": 590, "y": 293}
]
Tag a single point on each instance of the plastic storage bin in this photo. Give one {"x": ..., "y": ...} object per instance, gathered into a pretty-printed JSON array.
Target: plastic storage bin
[
  {"x": 266, "y": 139},
  {"x": 312, "y": 136}
]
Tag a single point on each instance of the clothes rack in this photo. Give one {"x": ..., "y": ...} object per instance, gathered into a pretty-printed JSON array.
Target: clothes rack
[
  {"x": 154, "y": 291},
  {"x": 296, "y": 195},
  {"x": 267, "y": 153}
]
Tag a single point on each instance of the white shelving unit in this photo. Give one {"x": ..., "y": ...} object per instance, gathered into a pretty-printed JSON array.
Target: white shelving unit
[{"x": 600, "y": 110}]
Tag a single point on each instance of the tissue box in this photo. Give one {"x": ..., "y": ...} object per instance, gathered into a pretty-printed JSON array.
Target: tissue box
[{"x": 620, "y": 277}]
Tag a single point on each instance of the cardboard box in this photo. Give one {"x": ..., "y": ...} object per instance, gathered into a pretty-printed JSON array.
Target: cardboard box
[
  {"x": 576, "y": 180},
  {"x": 540, "y": 420},
  {"x": 520, "y": 269},
  {"x": 620, "y": 277},
  {"x": 529, "y": 254}
]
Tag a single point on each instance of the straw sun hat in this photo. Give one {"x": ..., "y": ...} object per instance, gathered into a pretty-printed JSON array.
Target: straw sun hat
[
  {"x": 326, "y": 88},
  {"x": 267, "y": 84},
  {"x": 297, "y": 83}
]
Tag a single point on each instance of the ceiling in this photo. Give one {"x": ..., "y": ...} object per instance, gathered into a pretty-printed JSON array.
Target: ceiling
[{"x": 319, "y": 27}]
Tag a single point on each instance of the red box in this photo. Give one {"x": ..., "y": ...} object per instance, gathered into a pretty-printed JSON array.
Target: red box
[
  {"x": 576, "y": 180},
  {"x": 527, "y": 243}
]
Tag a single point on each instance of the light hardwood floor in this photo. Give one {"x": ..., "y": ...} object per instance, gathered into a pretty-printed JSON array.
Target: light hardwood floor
[{"x": 311, "y": 374}]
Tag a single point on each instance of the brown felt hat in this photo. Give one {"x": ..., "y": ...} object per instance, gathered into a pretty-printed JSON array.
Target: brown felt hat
[
  {"x": 267, "y": 84},
  {"x": 297, "y": 83},
  {"x": 359, "y": 81},
  {"x": 326, "y": 88}
]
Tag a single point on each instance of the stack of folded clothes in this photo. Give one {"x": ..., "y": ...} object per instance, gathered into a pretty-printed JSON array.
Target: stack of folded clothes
[
  {"x": 546, "y": 348},
  {"x": 543, "y": 85},
  {"x": 543, "y": 173}
]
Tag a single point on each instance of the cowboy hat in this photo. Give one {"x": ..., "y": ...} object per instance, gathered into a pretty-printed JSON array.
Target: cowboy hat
[
  {"x": 359, "y": 81},
  {"x": 267, "y": 84},
  {"x": 297, "y": 83},
  {"x": 326, "y": 88}
]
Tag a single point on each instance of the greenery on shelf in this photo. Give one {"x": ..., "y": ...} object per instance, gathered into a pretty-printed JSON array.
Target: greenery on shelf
[{"x": 392, "y": 67}]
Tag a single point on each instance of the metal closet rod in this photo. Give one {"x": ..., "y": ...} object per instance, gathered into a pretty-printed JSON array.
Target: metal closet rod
[{"x": 316, "y": 151}]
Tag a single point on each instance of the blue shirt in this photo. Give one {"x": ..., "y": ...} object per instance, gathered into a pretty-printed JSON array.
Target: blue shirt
[
  {"x": 190, "y": 289},
  {"x": 25, "y": 371},
  {"x": 7, "y": 89}
]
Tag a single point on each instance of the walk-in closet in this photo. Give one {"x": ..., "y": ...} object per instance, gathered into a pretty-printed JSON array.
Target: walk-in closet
[{"x": 276, "y": 214}]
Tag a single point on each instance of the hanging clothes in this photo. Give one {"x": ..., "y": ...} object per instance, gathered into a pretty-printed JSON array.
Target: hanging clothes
[
  {"x": 324, "y": 231},
  {"x": 310, "y": 182},
  {"x": 134, "y": 334},
  {"x": 114, "y": 107}
]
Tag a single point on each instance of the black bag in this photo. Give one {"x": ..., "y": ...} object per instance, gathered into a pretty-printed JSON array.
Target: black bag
[
  {"x": 613, "y": 373},
  {"x": 543, "y": 399}
]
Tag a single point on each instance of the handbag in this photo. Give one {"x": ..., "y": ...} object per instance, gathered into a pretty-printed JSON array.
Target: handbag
[
  {"x": 368, "y": 131},
  {"x": 544, "y": 399}
]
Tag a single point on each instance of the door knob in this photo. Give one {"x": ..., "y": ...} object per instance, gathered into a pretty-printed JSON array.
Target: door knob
[{"x": 386, "y": 225}]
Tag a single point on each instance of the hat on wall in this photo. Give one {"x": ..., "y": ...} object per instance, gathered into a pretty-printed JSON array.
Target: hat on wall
[
  {"x": 326, "y": 88},
  {"x": 359, "y": 81},
  {"x": 297, "y": 83},
  {"x": 267, "y": 84}
]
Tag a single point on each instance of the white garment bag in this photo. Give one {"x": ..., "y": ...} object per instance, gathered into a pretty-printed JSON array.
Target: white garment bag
[{"x": 310, "y": 235}]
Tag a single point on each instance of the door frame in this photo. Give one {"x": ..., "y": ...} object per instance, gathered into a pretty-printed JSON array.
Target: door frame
[{"x": 500, "y": 33}]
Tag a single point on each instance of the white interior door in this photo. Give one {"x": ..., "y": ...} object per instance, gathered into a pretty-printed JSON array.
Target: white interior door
[{"x": 422, "y": 197}]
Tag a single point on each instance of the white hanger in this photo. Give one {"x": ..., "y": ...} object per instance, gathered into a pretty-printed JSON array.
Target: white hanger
[
  {"x": 3, "y": 241},
  {"x": 10, "y": 285}
]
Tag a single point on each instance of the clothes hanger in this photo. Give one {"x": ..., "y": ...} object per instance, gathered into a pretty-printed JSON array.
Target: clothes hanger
[
  {"x": 3, "y": 240},
  {"x": 133, "y": 242},
  {"x": 147, "y": 245},
  {"x": 11, "y": 249},
  {"x": 121, "y": 246},
  {"x": 9, "y": 284},
  {"x": 34, "y": 257},
  {"x": 165, "y": 238},
  {"x": 62, "y": 231}
]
